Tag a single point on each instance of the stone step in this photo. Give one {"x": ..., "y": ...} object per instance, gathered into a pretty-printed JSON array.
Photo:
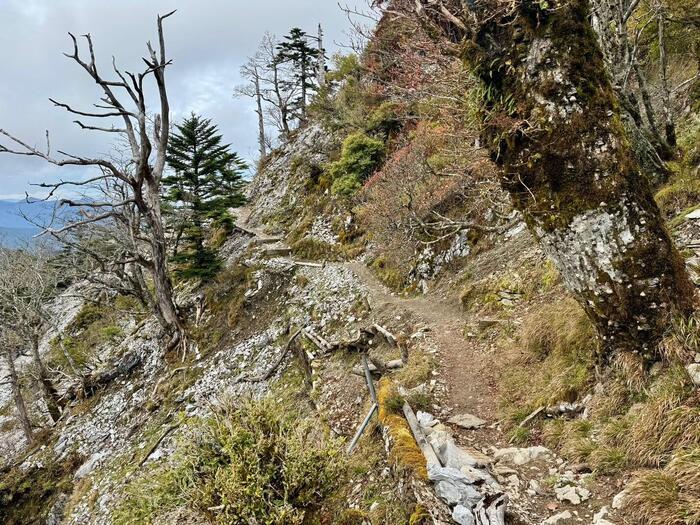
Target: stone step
[
  {"x": 272, "y": 239},
  {"x": 280, "y": 250}
]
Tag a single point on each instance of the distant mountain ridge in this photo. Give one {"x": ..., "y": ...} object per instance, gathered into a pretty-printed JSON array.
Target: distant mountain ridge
[{"x": 14, "y": 228}]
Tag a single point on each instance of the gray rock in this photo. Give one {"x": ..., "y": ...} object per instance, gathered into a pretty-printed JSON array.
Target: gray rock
[
  {"x": 520, "y": 456},
  {"x": 619, "y": 500},
  {"x": 87, "y": 467},
  {"x": 426, "y": 419},
  {"x": 449, "y": 453},
  {"x": 57, "y": 510},
  {"x": 694, "y": 373},
  {"x": 467, "y": 421},
  {"x": 599, "y": 518},
  {"x": 463, "y": 515},
  {"x": 572, "y": 494},
  {"x": 554, "y": 520},
  {"x": 454, "y": 487}
]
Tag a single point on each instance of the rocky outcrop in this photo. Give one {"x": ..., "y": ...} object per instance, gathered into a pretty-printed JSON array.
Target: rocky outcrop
[{"x": 279, "y": 183}]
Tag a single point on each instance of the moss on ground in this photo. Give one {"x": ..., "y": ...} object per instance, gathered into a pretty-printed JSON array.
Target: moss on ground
[{"x": 405, "y": 453}]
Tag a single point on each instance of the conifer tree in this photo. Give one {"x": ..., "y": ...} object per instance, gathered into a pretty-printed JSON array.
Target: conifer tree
[
  {"x": 296, "y": 50},
  {"x": 206, "y": 182}
]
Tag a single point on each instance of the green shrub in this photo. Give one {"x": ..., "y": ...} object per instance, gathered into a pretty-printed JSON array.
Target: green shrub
[
  {"x": 258, "y": 463},
  {"x": 313, "y": 249},
  {"x": 384, "y": 119},
  {"x": 359, "y": 158}
]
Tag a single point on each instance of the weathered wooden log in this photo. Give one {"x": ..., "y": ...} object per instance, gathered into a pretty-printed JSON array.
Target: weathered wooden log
[
  {"x": 532, "y": 416},
  {"x": 390, "y": 338},
  {"x": 425, "y": 447}
]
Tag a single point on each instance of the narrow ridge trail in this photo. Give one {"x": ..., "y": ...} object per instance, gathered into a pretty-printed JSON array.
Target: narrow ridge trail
[{"x": 462, "y": 362}]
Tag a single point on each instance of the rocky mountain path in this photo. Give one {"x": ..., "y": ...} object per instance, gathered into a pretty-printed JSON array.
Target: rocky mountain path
[
  {"x": 462, "y": 363},
  {"x": 466, "y": 365}
]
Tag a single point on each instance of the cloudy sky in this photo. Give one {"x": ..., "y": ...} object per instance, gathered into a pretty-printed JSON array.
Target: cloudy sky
[{"x": 208, "y": 41}]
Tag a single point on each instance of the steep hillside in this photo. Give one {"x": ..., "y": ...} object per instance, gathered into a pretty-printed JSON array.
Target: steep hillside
[{"x": 378, "y": 285}]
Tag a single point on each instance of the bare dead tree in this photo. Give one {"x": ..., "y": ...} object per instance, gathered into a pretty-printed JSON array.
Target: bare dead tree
[
  {"x": 268, "y": 86},
  {"x": 321, "y": 65},
  {"x": 28, "y": 282},
  {"x": 8, "y": 352},
  {"x": 147, "y": 147},
  {"x": 252, "y": 71}
]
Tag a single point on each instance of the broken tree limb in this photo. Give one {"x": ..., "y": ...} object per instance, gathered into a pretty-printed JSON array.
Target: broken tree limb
[
  {"x": 309, "y": 264},
  {"x": 305, "y": 362},
  {"x": 317, "y": 340},
  {"x": 430, "y": 456},
  {"x": 391, "y": 339},
  {"x": 532, "y": 416},
  {"x": 155, "y": 445},
  {"x": 264, "y": 377},
  {"x": 362, "y": 428},
  {"x": 369, "y": 380},
  {"x": 390, "y": 365}
]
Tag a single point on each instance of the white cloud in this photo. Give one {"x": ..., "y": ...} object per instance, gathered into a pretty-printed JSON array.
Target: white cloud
[{"x": 208, "y": 40}]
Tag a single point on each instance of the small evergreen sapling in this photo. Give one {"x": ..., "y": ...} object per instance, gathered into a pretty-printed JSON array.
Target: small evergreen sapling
[{"x": 207, "y": 180}]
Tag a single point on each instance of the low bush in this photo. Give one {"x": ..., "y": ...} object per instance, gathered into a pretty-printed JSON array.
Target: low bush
[
  {"x": 360, "y": 156},
  {"x": 256, "y": 463},
  {"x": 314, "y": 249}
]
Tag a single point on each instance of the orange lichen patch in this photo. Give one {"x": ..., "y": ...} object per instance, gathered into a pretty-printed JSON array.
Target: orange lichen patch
[{"x": 405, "y": 452}]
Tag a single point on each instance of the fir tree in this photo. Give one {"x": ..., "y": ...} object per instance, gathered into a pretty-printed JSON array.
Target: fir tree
[
  {"x": 206, "y": 182},
  {"x": 296, "y": 50}
]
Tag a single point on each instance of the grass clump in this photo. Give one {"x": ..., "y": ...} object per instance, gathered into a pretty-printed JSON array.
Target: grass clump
[
  {"x": 680, "y": 193},
  {"x": 314, "y": 249},
  {"x": 256, "y": 463},
  {"x": 667, "y": 497},
  {"x": 560, "y": 347},
  {"x": 667, "y": 422},
  {"x": 390, "y": 275},
  {"x": 94, "y": 326}
]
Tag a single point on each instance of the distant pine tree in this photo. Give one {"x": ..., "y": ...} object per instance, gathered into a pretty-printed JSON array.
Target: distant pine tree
[
  {"x": 206, "y": 182},
  {"x": 296, "y": 50}
]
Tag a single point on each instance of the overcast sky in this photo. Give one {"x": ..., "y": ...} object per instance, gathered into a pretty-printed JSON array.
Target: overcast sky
[{"x": 208, "y": 41}]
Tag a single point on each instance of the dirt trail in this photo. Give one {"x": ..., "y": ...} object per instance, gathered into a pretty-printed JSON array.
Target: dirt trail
[{"x": 462, "y": 362}]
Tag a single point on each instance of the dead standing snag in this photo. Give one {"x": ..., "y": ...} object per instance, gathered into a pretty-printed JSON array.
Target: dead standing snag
[{"x": 147, "y": 146}]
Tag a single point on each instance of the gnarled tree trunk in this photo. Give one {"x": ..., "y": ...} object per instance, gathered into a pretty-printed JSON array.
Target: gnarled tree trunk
[
  {"x": 51, "y": 396},
  {"x": 553, "y": 124},
  {"x": 17, "y": 396},
  {"x": 569, "y": 169}
]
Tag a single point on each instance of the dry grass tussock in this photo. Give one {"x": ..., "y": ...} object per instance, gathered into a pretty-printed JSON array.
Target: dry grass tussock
[{"x": 556, "y": 362}]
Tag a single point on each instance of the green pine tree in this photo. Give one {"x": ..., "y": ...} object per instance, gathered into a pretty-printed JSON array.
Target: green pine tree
[
  {"x": 304, "y": 58},
  {"x": 206, "y": 182}
]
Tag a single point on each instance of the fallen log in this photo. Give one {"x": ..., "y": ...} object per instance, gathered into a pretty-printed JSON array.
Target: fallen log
[
  {"x": 532, "y": 416},
  {"x": 390, "y": 338},
  {"x": 369, "y": 380},
  {"x": 309, "y": 264},
  {"x": 425, "y": 447},
  {"x": 323, "y": 345}
]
